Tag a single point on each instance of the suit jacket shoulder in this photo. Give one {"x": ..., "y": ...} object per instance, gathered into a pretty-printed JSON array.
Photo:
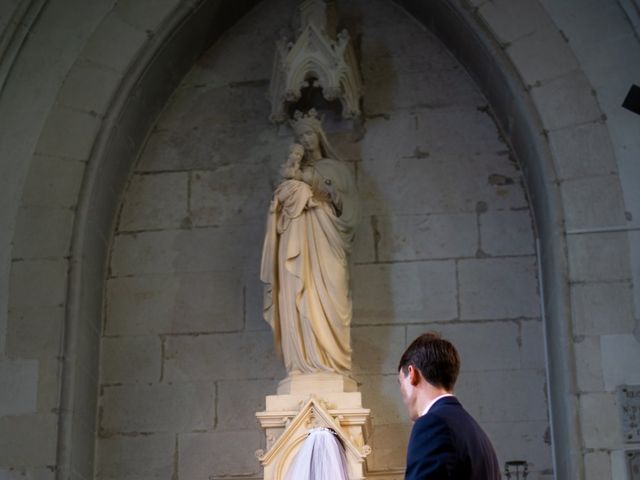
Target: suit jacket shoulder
[
  {"x": 447, "y": 443},
  {"x": 431, "y": 452}
]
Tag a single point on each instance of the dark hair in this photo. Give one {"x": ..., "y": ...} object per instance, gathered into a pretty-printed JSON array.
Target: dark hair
[{"x": 435, "y": 358}]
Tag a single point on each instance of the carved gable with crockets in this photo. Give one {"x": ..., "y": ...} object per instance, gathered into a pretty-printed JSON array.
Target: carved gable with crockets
[
  {"x": 346, "y": 423},
  {"x": 317, "y": 58}
]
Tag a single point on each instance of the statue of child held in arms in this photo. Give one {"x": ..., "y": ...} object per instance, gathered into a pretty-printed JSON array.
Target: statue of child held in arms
[{"x": 291, "y": 169}]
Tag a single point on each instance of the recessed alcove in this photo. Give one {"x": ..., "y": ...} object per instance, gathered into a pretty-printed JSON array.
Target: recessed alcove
[{"x": 441, "y": 247}]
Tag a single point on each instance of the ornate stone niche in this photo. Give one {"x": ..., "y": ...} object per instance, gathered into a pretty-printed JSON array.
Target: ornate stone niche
[{"x": 317, "y": 59}]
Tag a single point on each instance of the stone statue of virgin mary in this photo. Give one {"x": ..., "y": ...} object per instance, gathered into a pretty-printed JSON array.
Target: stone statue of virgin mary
[{"x": 305, "y": 257}]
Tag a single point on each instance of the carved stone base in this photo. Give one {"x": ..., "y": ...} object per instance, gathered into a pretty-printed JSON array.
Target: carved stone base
[{"x": 308, "y": 401}]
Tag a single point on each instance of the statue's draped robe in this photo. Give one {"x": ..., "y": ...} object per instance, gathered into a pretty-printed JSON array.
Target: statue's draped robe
[{"x": 305, "y": 266}]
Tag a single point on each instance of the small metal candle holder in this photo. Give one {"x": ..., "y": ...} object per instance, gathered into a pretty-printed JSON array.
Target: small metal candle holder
[{"x": 519, "y": 468}]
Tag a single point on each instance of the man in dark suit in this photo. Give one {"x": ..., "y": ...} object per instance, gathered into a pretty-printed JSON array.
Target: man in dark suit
[{"x": 446, "y": 442}]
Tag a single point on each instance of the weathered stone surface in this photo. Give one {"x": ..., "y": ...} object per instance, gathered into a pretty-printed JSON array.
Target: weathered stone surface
[
  {"x": 364, "y": 243},
  {"x": 254, "y": 303},
  {"x": 511, "y": 20},
  {"x": 598, "y": 257},
  {"x": 239, "y": 400},
  {"x": 143, "y": 457},
  {"x": 49, "y": 370},
  {"x": 413, "y": 61},
  {"x": 145, "y": 15},
  {"x": 255, "y": 70},
  {"x": 381, "y": 394},
  {"x": 245, "y": 37},
  {"x": 600, "y": 420},
  {"x": 34, "y": 332},
  {"x": 89, "y": 87},
  {"x": 110, "y": 40},
  {"x": 377, "y": 349},
  {"x": 620, "y": 360},
  {"x": 34, "y": 224},
  {"x": 404, "y": 49},
  {"x": 154, "y": 202},
  {"x": 231, "y": 194},
  {"x": 495, "y": 288},
  {"x": 438, "y": 184},
  {"x": 200, "y": 250},
  {"x": 27, "y": 473},
  {"x": 239, "y": 108},
  {"x": 588, "y": 364},
  {"x": 482, "y": 394},
  {"x": 68, "y": 133},
  {"x": 19, "y": 445},
  {"x": 38, "y": 283},
  {"x": 417, "y": 164},
  {"x": 213, "y": 455},
  {"x": 178, "y": 303},
  {"x": 221, "y": 357},
  {"x": 594, "y": 202},
  {"x": 415, "y": 89},
  {"x": 566, "y": 101},
  {"x": 485, "y": 346},
  {"x": 404, "y": 292},
  {"x": 119, "y": 354},
  {"x": 579, "y": 28},
  {"x": 634, "y": 247},
  {"x": 389, "y": 445},
  {"x": 423, "y": 133},
  {"x": 602, "y": 308},
  {"x": 179, "y": 407},
  {"x": 215, "y": 146},
  {"x": 582, "y": 151},
  {"x": 506, "y": 232},
  {"x": 425, "y": 237},
  {"x": 542, "y": 55},
  {"x": 19, "y": 384},
  {"x": 532, "y": 344},
  {"x": 53, "y": 182},
  {"x": 597, "y": 466},
  {"x": 522, "y": 440}
]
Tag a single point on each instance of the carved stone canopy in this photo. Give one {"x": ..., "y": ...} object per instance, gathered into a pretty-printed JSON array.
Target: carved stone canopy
[{"x": 318, "y": 58}]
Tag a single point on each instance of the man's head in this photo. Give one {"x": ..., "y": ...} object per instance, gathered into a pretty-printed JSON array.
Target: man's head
[{"x": 428, "y": 368}]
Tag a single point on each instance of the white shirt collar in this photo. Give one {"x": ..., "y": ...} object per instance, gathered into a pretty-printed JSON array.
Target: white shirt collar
[{"x": 426, "y": 410}]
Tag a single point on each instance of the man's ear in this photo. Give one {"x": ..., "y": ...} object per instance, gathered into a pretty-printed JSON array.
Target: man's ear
[{"x": 414, "y": 375}]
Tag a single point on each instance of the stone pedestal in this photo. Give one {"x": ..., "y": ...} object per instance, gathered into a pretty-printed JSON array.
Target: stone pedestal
[{"x": 308, "y": 401}]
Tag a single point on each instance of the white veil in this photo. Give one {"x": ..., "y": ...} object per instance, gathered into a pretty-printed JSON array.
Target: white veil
[{"x": 321, "y": 457}]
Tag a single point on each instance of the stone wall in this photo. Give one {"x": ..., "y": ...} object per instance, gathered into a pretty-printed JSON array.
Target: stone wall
[{"x": 446, "y": 243}]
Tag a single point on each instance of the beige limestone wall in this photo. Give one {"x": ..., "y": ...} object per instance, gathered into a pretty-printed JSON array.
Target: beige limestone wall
[
  {"x": 562, "y": 49},
  {"x": 606, "y": 314},
  {"x": 446, "y": 243}
]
